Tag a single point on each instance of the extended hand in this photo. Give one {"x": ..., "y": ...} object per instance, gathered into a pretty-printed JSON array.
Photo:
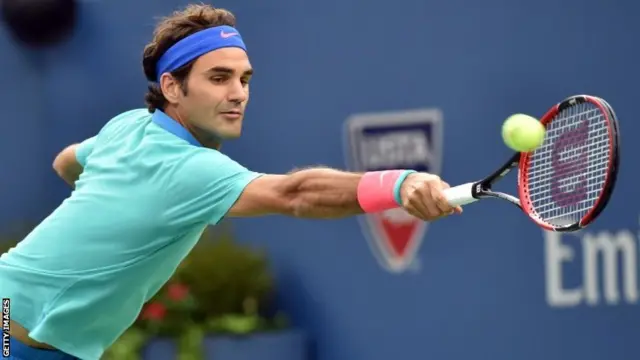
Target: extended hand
[{"x": 423, "y": 198}]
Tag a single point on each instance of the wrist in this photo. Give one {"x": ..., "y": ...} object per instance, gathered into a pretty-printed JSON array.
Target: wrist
[
  {"x": 381, "y": 190},
  {"x": 397, "y": 189}
]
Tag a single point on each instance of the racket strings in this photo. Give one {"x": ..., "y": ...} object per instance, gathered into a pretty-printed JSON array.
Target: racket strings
[{"x": 567, "y": 173}]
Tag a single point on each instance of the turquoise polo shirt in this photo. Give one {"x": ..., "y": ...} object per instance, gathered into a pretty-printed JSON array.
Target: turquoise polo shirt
[{"x": 147, "y": 192}]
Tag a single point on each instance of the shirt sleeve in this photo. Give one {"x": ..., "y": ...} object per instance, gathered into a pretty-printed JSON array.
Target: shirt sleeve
[
  {"x": 84, "y": 149},
  {"x": 207, "y": 185}
]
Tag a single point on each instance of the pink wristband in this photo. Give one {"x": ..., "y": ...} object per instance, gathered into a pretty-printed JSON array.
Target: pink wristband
[{"x": 379, "y": 190}]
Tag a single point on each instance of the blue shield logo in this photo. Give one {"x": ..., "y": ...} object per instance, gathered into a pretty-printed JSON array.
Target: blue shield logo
[{"x": 394, "y": 140}]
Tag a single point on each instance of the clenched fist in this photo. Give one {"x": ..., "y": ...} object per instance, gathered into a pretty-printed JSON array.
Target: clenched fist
[{"x": 423, "y": 198}]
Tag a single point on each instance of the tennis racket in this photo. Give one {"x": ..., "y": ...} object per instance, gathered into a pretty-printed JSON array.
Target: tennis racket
[{"x": 565, "y": 183}]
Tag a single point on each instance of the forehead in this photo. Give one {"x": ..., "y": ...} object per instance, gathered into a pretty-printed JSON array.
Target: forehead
[{"x": 232, "y": 58}]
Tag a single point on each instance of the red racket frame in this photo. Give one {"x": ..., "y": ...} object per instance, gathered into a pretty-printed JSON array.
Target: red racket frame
[{"x": 613, "y": 164}]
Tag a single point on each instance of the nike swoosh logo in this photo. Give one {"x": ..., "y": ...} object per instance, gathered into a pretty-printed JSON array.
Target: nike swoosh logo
[
  {"x": 382, "y": 177},
  {"x": 225, "y": 35}
]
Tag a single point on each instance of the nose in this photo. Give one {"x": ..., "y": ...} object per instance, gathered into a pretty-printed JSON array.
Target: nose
[{"x": 238, "y": 93}]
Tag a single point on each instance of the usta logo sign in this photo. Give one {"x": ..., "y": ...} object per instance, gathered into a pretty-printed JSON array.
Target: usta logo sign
[{"x": 394, "y": 140}]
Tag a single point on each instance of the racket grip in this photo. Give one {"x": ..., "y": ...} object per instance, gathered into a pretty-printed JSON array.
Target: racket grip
[{"x": 460, "y": 195}]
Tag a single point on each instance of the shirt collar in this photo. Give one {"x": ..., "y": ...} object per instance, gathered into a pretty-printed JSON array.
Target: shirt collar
[{"x": 169, "y": 124}]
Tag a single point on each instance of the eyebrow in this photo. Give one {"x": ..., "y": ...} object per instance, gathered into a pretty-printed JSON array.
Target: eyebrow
[{"x": 226, "y": 70}]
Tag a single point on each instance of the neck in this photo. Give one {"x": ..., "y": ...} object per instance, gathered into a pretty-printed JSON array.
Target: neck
[{"x": 207, "y": 141}]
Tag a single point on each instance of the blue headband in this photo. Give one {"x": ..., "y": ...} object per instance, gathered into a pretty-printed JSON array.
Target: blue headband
[{"x": 196, "y": 45}]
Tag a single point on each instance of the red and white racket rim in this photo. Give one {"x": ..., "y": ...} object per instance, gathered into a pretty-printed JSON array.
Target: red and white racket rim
[{"x": 604, "y": 193}]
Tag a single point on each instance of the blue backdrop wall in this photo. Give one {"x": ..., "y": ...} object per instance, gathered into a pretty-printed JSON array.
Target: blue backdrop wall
[{"x": 485, "y": 285}]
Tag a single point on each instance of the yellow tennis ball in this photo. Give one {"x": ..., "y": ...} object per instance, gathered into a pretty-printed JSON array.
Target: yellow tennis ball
[{"x": 522, "y": 132}]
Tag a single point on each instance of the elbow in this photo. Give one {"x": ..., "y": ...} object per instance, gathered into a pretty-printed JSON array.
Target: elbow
[
  {"x": 298, "y": 207},
  {"x": 298, "y": 204},
  {"x": 290, "y": 200},
  {"x": 305, "y": 196},
  {"x": 58, "y": 165},
  {"x": 65, "y": 164},
  {"x": 312, "y": 207}
]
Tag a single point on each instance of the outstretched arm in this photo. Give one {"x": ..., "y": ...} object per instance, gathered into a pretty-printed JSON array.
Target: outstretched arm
[
  {"x": 327, "y": 193},
  {"x": 209, "y": 186}
]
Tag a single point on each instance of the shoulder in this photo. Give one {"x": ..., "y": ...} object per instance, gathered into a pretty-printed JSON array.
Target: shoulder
[
  {"x": 125, "y": 119},
  {"x": 211, "y": 174},
  {"x": 206, "y": 184},
  {"x": 117, "y": 137},
  {"x": 205, "y": 165},
  {"x": 132, "y": 115}
]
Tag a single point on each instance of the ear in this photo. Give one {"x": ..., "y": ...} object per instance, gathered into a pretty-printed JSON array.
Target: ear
[{"x": 170, "y": 88}]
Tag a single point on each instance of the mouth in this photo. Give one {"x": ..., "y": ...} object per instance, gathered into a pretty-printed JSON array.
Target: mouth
[{"x": 232, "y": 114}]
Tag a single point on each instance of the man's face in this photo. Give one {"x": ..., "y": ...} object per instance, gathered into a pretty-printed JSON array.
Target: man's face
[{"x": 217, "y": 93}]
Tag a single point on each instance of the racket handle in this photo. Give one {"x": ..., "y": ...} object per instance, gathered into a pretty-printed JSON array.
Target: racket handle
[{"x": 460, "y": 195}]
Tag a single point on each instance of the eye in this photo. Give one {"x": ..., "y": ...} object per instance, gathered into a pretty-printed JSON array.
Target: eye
[{"x": 217, "y": 79}]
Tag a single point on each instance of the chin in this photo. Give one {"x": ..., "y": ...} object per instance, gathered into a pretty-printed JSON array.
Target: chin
[{"x": 230, "y": 135}]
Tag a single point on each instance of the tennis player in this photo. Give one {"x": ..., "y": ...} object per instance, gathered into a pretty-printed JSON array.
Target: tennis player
[{"x": 151, "y": 180}]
